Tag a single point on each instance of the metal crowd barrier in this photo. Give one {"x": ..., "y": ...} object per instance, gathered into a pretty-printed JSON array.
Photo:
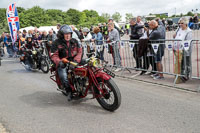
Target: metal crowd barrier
[{"x": 180, "y": 58}]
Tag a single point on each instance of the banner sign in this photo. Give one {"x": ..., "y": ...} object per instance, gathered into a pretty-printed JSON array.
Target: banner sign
[{"x": 13, "y": 21}]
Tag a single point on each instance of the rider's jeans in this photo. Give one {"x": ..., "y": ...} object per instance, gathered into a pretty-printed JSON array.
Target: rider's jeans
[{"x": 62, "y": 73}]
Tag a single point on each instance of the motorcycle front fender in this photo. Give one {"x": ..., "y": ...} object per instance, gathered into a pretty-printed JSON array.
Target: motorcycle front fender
[{"x": 103, "y": 75}]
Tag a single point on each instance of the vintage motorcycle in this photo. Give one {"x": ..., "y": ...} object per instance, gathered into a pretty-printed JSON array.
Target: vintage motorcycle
[
  {"x": 87, "y": 78},
  {"x": 34, "y": 59}
]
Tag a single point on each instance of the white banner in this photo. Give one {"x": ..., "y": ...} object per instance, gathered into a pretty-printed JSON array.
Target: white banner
[
  {"x": 186, "y": 45},
  {"x": 155, "y": 47},
  {"x": 178, "y": 45},
  {"x": 98, "y": 48},
  {"x": 84, "y": 47},
  {"x": 106, "y": 46},
  {"x": 131, "y": 45},
  {"x": 122, "y": 44},
  {"x": 169, "y": 46},
  {"x": 102, "y": 47},
  {"x": 91, "y": 46}
]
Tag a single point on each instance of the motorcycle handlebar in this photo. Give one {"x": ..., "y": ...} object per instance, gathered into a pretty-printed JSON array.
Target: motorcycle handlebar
[{"x": 64, "y": 60}]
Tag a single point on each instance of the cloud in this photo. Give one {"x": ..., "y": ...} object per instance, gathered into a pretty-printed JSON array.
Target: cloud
[{"x": 136, "y": 7}]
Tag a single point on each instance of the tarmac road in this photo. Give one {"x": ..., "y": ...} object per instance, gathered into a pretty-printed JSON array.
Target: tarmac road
[{"x": 30, "y": 103}]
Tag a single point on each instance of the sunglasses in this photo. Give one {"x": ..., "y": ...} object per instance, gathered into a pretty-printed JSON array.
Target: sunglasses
[{"x": 180, "y": 23}]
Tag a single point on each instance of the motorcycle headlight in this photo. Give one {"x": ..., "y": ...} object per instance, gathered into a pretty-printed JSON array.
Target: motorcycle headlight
[
  {"x": 96, "y": 63},
  {"x": 34, "y": 52}
]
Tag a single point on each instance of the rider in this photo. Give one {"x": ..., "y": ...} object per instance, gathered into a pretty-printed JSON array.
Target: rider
[
  {"x": 65, "y": 47},
  {"x": 29, "y": 42}
]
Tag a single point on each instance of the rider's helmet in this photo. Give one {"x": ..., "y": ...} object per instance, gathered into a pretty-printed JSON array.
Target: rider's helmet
[
  {"x": 64, "y": 30},
  {"x": 29, "y": 38}
]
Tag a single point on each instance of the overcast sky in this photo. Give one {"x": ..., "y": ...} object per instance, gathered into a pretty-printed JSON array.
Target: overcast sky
[{"x": 136, "y": 7}]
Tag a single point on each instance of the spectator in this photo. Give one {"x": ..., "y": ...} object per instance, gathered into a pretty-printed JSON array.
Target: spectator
[
  {"x": 105, "y": 31},
  {"x": 35, "y": 38},
  {"x": 58, "y": 26},
  {"x": 86, "y": 38},
  {"x": 140, "y": 23},
  {"x": 76, "y": 34},
  {"x": 127, "y": 28},
  {"x": 115, "y": 25},
  {"x": 114, "y": 48},
  {"x": 2, "y": 43},
  {"x": 35, "y": 30},
  {"x": 50, "y": 39},
  {"x": 164, "y": 21},
  {"x": 30, "y": 33},
  {"x": 156, "y": 34},
  {"x": 8, "y": 43},
  {"x": 53, "y": 31},
  {"x": 191, "y": 23},
  {"x": 98, "y": 37},
  {"x": 146, "y": 51},
  {"x": 183, "y": 58},
  {"x": 44, "y": 36},
  {"x": 135, "y": 34},
  {"x": 196, "y": 22},
  {"x": 24, "y": 34},
  {"x": 100, "y": 27},
  {"x": 40, "y": 36}
]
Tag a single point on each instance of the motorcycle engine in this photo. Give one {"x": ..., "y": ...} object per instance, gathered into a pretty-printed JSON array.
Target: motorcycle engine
[{"x": 81, "y": 84}]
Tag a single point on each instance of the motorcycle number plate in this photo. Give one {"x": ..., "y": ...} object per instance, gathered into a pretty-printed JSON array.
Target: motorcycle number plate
[{"x": 109, "y": 72}]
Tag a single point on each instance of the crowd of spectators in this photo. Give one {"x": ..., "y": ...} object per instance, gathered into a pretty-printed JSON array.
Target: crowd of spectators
[{"x": 93, "y": 38}]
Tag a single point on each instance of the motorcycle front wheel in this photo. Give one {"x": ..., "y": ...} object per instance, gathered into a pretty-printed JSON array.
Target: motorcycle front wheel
[
  {"x": 44, "y": 66},
  {"x": 111, "y": 99}
]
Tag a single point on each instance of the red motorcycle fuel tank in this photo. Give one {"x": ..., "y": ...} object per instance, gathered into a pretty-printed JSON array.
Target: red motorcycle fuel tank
[{"x": 80, "y": 72}]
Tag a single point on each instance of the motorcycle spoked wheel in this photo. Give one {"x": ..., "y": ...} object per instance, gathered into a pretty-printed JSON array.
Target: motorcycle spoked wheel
[
  {"x": 112, "y": 97},
  {"x": 44, "y": 66}
]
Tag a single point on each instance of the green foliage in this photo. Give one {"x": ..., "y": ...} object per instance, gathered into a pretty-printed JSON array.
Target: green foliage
[
  {"x": 189, "y": 14},
  {"x": 128, "y": 16},
  {"x": 116, "y": 16},
  {"x": 106, "y": 16},
  {"x": 37, "y": 17},
  {"x": 3, "y": 21},
  {"x": 161, "y": 16}
]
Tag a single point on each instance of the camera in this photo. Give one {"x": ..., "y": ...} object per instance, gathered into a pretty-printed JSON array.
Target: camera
[{"x": 146, "y": 25}]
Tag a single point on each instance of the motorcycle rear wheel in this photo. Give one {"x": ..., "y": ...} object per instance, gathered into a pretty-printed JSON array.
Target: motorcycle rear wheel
[
  {"x": 104, "y": 101},
  {"x": 44, "y": 66}
]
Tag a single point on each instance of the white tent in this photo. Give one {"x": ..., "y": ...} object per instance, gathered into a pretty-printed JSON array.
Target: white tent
[
  {"x": 27, "y": 28},
  {"x": 42, "y": 28},
  {"x": 48, "y": 28}
]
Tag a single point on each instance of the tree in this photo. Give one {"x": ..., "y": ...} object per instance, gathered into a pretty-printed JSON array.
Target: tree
[
  {"x": 34, "y": 16},
  {"x": 3, "y": 21},
  {"x": 20, "y": 9},
  {"x": 56, "y": 16},
  {"x": 75, "y": 16},
  {"x": 91, "y": 13},
  {"x": 128, "y": 16},
  {"x": 102, "y": 19},
  {"x": 189, "y": 14},
  {"x": 116, "y": 16},
  {"x": 106, "y": 16}
]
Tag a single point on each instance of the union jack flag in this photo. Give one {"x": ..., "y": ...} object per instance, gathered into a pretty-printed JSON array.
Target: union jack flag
[{"x": 13, "y": 21}]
